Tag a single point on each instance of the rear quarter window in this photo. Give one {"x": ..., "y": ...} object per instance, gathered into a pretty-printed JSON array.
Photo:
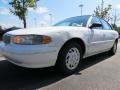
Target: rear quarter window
[{"x": 106, "y": 25}]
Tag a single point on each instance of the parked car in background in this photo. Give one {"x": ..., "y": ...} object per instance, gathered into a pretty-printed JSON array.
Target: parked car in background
[
  {"x": 2, "y": 32},
  {"x": 63, "y": 45}
]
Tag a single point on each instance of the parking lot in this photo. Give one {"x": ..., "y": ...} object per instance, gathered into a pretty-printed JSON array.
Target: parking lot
[{"x": 100, "y": 72}]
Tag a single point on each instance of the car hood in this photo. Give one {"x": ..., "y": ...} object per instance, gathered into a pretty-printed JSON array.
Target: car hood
[{"x": 44, "y": 30}]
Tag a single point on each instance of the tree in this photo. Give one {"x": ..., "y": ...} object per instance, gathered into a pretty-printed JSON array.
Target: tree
[
  {"x": 20, "y": 8},
  {"x": 115, "y": 27},
  {"x": 1, "y": 33},
  {"x": 114, "y": 20},
  {"x": 118, "y": 30},
  {"x": 102, "y": 11},
  {"x": 0, "y": 28}
]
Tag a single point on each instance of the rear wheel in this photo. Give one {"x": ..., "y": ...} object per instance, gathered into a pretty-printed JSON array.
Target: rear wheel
[
  {"x": 69, "y": 58},
  {"x": 113, "y": 49}
]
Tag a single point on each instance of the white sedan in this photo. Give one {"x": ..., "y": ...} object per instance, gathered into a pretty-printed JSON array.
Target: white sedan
[{"x": 63, "y": 45}]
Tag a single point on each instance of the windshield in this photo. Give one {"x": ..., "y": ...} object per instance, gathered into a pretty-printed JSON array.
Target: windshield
[{"x": 74, "y": 21}]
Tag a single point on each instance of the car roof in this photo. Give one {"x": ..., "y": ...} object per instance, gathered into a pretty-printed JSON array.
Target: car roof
[{"x": 84, "y": 16}]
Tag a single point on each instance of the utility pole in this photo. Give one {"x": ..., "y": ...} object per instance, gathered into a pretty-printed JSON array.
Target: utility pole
[
  {"x": 115, "y": 17},
  {"x": 35, "y": 22},
  {"x": 102, "y": 4},
  {"x": 81, "y": 7},
  {"x": 51, "y": 17}
]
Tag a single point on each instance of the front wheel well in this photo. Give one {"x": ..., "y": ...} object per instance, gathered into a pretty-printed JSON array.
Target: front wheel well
[{"x": 77, "y": 40}]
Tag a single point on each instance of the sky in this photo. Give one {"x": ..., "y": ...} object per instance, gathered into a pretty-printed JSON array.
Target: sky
[{"x": 52, "y": 11}]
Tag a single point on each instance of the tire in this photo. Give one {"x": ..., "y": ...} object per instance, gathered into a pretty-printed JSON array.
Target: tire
[
  {"x": 113, "y": 50},
  {"x": 69, "y": 58}
]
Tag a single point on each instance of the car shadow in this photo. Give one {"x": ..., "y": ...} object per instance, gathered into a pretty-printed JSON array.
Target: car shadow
[{"x": 16, "y": 78}]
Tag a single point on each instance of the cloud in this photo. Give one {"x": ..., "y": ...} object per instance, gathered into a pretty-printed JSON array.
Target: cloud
[
  {"x": 39, "y": 10},
  {"x": 43, "y": 23},
  {"x": 30, "y": 9},
  {"x": 7, "y": 25},
  {"x": 4, "y": 11},
  {"x": 117, "y": 6},
  {"x": 49, "y": 17}
]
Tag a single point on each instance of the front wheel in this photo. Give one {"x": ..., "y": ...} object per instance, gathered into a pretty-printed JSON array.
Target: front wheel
[{"x": 69, "y": 58}]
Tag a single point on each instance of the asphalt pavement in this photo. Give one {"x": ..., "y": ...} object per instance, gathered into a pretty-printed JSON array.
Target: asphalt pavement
[{"x": 99, "y": 72}]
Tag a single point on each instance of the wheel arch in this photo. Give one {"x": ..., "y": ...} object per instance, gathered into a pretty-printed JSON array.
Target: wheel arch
[{"x": 78, "y": 40}]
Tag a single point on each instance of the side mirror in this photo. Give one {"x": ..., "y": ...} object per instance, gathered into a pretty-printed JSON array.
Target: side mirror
[{"x": 93, "y": 25}]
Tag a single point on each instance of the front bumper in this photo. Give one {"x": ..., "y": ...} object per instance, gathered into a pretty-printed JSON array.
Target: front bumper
[{"x": 30, "y": 56}]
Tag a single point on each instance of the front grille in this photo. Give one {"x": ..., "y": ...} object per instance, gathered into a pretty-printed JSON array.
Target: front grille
[{"x": 6, "y": 39}]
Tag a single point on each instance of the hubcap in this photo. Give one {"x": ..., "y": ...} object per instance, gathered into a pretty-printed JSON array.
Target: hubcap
[{"x": 72, "y": 58}]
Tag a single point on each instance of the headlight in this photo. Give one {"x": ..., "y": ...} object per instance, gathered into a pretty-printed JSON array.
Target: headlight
[{"x": 31, "y": 39}]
